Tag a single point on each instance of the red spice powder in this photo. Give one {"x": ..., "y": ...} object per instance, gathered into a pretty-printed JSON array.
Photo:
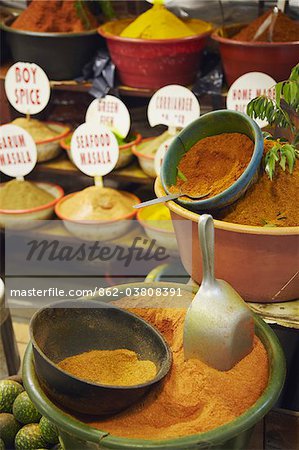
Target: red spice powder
[
  {"x": 285, "y": 30},
  {"x": 53, "y": 16}
]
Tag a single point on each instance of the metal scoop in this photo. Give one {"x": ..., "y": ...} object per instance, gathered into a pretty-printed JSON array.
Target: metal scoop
[
  {"x": 167, "y": 198},
  {"x": 219, "y": 327},
  {"x": 269, "y": 22}
]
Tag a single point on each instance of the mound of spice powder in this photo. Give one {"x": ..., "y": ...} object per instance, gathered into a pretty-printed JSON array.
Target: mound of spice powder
[
  {"x": 271, "y": 203},
  {"x": 285, "y": 30},
  {"x": 213, "y": 164},
  {"x": 120, "y": 367},
  {"x": 194, "y": 397},
  {"x": 55, "y": 16}
]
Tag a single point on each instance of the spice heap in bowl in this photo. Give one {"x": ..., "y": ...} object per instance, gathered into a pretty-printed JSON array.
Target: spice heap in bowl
[
  {"x": 47, "y": 136},
  {"x": 22, "y": 203},
  {"x": 97, "y": 359},
  {"x": 157, "y": 224},
  {"x": 213, "y": 160},
  {"x": 257, "y": 235},
  {"x": 97, "y": 213},
  {"x": 181, "y": 410},
  {"x": 146, "y": 151},
  {"x": 60, "y": 31},
  {"x": 272, "y": 53},
  {"x": 146, "y": 49}
]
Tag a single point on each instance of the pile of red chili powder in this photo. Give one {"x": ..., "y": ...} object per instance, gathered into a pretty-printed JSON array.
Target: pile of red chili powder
[
  {"x": 285, "y": 30},
  {"x": 55, "y": 16}
]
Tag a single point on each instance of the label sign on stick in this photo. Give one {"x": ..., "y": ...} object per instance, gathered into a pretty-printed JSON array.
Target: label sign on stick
[
  {"x": 159, "y": 156},
  {"x": 18, "y": 153},
  {"x": 111, "y": 112},
  {"x": 174, "y": 106},
  {"x": 27, "y": 88},
  {"x": 246, "y": 88},
  {"x": 94, "y": 149}
]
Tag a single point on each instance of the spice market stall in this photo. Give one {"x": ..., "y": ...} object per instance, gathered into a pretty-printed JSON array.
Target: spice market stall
[{"x": 108, "y": 107}]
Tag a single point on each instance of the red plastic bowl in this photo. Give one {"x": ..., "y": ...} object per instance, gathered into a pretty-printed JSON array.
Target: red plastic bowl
[
  {"x": 274, "y": 58},
  {"x": 155, "y": 63}
]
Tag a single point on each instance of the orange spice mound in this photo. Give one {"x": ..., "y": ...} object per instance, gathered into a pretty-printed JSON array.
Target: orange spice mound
[
  {"x": 120, "y": 367},
  {"x": 268, "y": 203},
  {"x": 194, "y": 397},
  {"x": 285, "y": 30},
  {"x": 214, "y": 163},
  {"x": 52, "y": 16}
]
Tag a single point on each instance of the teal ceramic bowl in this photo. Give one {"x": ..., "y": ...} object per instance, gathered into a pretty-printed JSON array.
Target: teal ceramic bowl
[{"x": 211, "y": 124}]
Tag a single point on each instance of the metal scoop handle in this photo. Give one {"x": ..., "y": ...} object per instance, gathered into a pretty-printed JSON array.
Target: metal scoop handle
[
  {"x": 206, "y": 238},
  {"x": 164, "y": 199}
]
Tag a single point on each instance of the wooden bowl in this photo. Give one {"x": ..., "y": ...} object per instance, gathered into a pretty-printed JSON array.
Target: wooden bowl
[{"x": 72, "y": 327}]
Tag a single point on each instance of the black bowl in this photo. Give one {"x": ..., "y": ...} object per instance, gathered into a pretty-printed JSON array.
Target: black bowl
[
  {"x": 72, "y": 327},
  {"x": 61, "y": 55}
]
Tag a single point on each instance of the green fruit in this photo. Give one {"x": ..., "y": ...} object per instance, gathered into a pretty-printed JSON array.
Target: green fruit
[
  {"x": 24, "y": 410},
  {"x": 29, "y": 437},
  {"x": 49, "y": 431},
  {"x": 9, "y": 390},
  {"x": 16, "y": 378},
  {"x": 8, "y": 429},
  {"x": 2, "y": 445}
]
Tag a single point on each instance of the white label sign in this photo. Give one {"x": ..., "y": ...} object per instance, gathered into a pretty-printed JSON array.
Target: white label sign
[
  {"x": 159, "y": 156},
  {"x": 174, "y": 106},
  {"x": 27, "y": 88},
  {"x": 18, "y": 153},
  {"x": 94, "y": 149},
  {"x": 246, "y": 88},
  {"x": 111, "y": 112}
]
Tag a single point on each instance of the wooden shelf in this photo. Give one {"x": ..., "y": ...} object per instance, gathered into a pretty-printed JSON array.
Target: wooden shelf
[{"x": 62, "y": 167}]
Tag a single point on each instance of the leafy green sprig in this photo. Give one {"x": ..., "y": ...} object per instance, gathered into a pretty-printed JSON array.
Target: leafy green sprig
[
  {"x": 280, "y": 112},
  {"x": 282, "y": 153}
]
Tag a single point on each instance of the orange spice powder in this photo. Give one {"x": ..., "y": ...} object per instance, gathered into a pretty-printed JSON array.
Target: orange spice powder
[
  {"x": 213, "y": 164},
  {"x": 194, "y": 398}
]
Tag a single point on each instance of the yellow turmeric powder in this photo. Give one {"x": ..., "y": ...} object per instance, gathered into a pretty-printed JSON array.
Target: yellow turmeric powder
[
  {"x": 194, "y": 398},
  {"x": 159, "y": 23},
  {"x": 119, "y": 367}
]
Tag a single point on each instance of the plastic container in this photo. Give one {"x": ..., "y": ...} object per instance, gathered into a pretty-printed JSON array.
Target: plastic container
[
  {"x": 154, "y": 63},
  {"x": 61, "y": 55},
  {"x": 212, "y": 124},
  {"x": 273, "y": 58},
  {"x": 233, "y": 436}
]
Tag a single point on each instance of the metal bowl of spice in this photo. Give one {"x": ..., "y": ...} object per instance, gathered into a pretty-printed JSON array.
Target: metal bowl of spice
[
  {"x": 213, "y": 160},
  {"x": 95, "y": 358}
]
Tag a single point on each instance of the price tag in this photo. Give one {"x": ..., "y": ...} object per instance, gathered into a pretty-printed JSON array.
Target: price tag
[
  {"x": 18, "y": 153},
  {"x": 111, "y": 112},
  {"x": 174, "y": 106},
  {"x": 94, "y": 149},
  {"x": 27, "y": 88},
  {"x": 246, "y": 88},
  {"x": 159, "y": 156}
]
